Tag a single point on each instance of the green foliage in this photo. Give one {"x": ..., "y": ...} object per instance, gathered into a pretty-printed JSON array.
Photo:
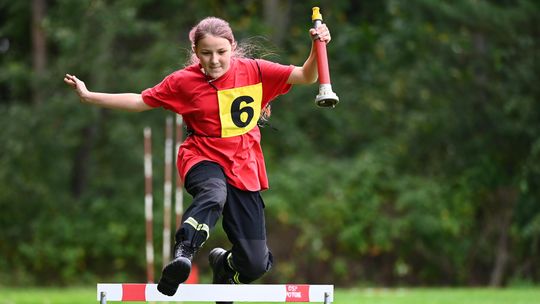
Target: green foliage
[{"x": 427, "y": 172}]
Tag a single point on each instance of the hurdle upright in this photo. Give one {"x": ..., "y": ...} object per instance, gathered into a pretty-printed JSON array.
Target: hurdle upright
[{"x": 122, "y": 292}]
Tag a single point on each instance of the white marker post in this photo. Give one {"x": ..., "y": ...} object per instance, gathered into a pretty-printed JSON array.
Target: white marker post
[
  {"x": 167, "y": 191},
  {"x": 148, "y": 202},
  {"x": 179, "y": 197}
]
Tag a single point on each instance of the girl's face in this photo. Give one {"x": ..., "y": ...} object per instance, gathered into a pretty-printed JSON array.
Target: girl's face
[{"x": 214, "y": 54}]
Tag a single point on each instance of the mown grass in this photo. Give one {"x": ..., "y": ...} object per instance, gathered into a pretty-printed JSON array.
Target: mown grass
[
  {"x": 440, "y": 296},
  {"x": 529, "y": 295}
]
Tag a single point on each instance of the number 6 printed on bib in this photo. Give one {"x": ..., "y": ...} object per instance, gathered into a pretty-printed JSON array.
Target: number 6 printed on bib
[{"x": 239, "y": 109}]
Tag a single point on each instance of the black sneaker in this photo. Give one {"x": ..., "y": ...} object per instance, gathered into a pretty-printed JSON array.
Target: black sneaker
[
  {"x": 217, "y": 259},
  {"x": 177, "y": 271}
]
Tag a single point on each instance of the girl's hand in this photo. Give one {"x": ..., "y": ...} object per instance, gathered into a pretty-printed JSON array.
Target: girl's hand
[
  {"x": 78, "y": 85},
  {"x": 321, "y": 32}
]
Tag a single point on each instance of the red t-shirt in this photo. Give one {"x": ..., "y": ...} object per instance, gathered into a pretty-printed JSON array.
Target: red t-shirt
[{"x": 223, "y": 116}]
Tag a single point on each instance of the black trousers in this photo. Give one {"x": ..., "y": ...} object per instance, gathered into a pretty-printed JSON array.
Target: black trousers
[{"x": 243, "y": 220}]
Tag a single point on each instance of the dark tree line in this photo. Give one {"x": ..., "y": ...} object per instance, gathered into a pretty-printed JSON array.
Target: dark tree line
[{"x": 427, "y": 172}]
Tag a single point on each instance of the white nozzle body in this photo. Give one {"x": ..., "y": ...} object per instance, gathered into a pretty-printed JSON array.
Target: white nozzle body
[{"x": 326, "y": 97}]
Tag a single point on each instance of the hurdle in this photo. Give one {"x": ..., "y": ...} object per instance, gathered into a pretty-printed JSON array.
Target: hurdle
[{"x": 123, "y": 292}]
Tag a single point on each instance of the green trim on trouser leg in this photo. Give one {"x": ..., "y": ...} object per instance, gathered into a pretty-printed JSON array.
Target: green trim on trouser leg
[
  {"x": 236, "y": 276},
  {"x": 198, "y": 228}
]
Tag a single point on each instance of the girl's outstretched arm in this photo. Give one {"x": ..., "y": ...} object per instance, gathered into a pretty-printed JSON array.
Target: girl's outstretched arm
[{"x": 122, "y": 101}]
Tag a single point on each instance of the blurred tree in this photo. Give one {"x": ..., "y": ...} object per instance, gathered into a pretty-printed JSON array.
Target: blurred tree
[{"x": 39, "y": 46}]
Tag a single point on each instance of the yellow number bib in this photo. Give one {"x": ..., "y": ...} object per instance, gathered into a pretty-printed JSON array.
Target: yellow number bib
[{"x": 239, "y": 109}]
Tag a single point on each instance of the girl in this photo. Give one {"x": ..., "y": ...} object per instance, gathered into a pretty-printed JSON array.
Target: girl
[{"x": 221, "y": 96}]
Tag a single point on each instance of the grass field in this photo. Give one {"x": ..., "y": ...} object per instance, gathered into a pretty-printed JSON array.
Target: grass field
[{"x": 527, "y": 295}]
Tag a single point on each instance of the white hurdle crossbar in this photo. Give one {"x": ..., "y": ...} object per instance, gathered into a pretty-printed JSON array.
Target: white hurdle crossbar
[{"x": 124, "y": 292}]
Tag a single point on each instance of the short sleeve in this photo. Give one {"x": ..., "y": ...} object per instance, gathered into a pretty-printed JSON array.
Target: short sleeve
[
  {"x": 274, "y": 79},
  {"x": 164, "y": 94}
]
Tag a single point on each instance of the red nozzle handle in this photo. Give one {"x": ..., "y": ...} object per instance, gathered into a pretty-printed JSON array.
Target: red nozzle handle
[{"x": 320, "y": 48}]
